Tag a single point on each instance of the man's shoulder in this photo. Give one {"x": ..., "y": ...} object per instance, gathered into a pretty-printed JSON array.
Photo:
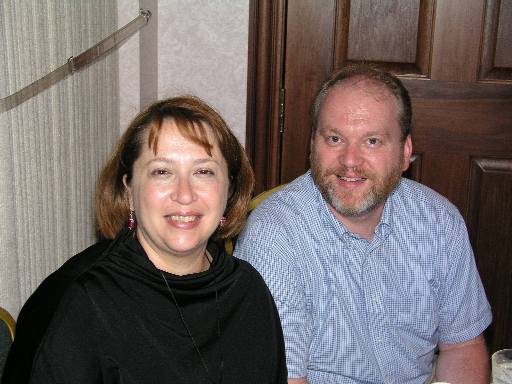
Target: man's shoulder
[
  {"x": 287, "y": 221},
  {"x": 295, "y": 199},
  {"x": 412, "y": 196},
  {"x": 252, "y": 279}
]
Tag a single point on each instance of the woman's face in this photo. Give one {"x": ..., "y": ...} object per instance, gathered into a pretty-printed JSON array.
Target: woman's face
[{"x": 179, "y": 196}]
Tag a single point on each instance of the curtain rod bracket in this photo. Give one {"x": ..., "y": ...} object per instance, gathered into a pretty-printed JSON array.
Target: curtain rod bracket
[
  {"x": 146, "y": 13},
  {"x": 71, "y": 64}
]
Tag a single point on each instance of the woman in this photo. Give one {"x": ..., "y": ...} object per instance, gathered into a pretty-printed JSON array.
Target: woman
[{"x": 164, "y": 303}]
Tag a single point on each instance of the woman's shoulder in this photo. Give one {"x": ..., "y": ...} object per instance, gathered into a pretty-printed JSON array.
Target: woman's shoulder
[
  {"x": 51, "y": 289},
  {"x": 38, "y": 311},
  {"x": 82, "y": 261}
]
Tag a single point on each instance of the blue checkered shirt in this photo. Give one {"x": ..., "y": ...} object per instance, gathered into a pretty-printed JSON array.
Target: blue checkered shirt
[{"x": 359, "y": 311}]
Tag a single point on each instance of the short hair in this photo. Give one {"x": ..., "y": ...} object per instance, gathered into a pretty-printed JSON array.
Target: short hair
[
  {"x": 374, "y": 75},
  {"x": 190, "y": 114}
]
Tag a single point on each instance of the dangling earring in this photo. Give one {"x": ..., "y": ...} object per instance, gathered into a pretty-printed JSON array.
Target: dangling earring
[
  {"x": 132, "y": 223},
  {"x": 222, "y": 221}
]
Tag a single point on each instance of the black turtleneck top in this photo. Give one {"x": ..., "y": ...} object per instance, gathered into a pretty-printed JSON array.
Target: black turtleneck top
[{"x": 118, "y": 323}]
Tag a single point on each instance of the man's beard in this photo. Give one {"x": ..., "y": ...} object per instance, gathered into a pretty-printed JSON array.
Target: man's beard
[{"x": 338, "y": 199}]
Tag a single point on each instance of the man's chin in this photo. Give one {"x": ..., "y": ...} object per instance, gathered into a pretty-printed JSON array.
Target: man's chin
[
  {"x": 353, "y": 208},
  {"x": 367, "y": 202},
  {"x": 352, "y": 211}
]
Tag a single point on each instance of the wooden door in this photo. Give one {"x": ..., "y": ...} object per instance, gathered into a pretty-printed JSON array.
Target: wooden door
[{"x": 454, "y": 56}]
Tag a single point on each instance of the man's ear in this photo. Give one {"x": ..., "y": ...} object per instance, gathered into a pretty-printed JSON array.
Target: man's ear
[
  {"x": 128, "y": 191},
  {"x": 311, "y": 141},
  {"x": 407, "y": 152}
]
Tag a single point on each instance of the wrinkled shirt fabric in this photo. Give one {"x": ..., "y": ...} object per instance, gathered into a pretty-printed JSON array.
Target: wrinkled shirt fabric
[{"x": 359, "y": 311}]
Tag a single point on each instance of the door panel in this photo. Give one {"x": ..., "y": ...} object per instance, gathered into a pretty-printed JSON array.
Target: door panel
[
  {"x": 490, "y": 229},
  {"x": 456, "y": 39},
  {"x": 308, "y": 62},
  {"x": 496, "y": 60},
  {"x": 455, "y": 58},
  {"x": 370, "y": 41}
]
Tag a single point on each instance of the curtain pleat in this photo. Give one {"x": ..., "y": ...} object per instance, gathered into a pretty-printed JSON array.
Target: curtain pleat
[{"x": 53, "y": 146}]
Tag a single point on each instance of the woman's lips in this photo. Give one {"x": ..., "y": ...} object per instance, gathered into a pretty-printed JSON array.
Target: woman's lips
[
  {"x": 184, "y": 221},
  {"x": 184, "y": 218}
]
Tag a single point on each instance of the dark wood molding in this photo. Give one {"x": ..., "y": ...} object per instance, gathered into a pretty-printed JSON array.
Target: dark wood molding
[
  {"x": 488, "y": 68},
  {"x": 265, "y": 71}
]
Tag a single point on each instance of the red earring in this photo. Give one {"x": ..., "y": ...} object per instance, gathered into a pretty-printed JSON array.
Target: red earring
[
  {"x": 132, "y": 223},
  {"x": 222, "y": 221}
]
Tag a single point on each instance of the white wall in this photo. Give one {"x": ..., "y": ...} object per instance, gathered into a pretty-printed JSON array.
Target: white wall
[{"x": 200, "y": 48}]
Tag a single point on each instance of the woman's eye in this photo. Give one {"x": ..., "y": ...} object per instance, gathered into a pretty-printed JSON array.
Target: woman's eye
[
  {"x": 373, "y": 141},
  {"x": 160, "y": 172},
  {"x": 205, "y": 172},
  {"x": 333, "y": 139}
]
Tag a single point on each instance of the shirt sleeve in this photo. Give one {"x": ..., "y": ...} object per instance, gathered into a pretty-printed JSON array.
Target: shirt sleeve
[
  {"x": 265, "y": 245},
  {"x": 465, "y": 312},
  {"x": 67, "y": 353}
]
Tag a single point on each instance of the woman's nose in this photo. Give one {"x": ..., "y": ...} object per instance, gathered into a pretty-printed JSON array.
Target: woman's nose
[{"x": 183, "y": 192}]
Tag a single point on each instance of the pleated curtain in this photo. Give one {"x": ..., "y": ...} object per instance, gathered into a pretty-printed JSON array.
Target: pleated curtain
[{"x": 53, "y": 146}]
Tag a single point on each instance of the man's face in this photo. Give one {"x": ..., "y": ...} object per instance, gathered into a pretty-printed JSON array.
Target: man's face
[{"x": 357, "y": 155}]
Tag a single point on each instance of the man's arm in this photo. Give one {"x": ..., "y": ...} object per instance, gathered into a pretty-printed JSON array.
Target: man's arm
[
  {"x": 464, "y": 363},
  {"x": 265, "y": 244}
]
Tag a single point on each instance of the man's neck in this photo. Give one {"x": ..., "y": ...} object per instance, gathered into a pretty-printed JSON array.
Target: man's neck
[{"x": 363, "y": 225}]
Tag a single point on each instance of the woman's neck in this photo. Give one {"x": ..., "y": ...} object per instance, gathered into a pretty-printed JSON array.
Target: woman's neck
[{"x": 180, "y": 264}]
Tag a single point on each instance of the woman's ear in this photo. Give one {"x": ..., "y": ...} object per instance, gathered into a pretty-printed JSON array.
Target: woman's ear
[{"x": 128, "y": 191}]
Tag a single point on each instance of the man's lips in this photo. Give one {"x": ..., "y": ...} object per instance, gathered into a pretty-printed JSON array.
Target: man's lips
[
  {"x": 352, "y": 179},
  {"x": 351, "y": 182}
]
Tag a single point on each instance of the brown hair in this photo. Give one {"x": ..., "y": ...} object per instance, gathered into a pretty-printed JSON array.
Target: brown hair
[
  {"x": 190, "y": 115},
  {"x": 375, "y": 75}
]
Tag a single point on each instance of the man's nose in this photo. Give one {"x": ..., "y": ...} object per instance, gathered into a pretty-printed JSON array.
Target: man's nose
[{"x": 350, "y": 156}]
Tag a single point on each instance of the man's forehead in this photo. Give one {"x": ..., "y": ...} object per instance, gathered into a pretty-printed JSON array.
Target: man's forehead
[{"x": 367, "y": 87}]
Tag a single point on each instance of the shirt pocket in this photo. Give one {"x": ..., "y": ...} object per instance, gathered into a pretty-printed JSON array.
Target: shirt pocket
[{"x": 415, "y": 319}]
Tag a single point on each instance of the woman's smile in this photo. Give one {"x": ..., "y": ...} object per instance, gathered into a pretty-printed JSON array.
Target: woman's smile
[{"x": 179, "y": 195}]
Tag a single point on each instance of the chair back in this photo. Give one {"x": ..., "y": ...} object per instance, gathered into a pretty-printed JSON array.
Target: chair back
[{"x": 7, "y": 332}]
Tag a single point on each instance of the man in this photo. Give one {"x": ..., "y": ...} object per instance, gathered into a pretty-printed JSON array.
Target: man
[{"x": 373, "y": 274}]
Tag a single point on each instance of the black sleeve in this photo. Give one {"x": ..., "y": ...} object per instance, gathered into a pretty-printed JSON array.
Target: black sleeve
[
  {"x": 68, "y": 353},
  {"x": 38, "y": 311}
]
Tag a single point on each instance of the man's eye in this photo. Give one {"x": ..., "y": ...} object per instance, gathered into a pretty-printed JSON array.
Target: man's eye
[
  {"x": 333, "y": 139},
  {"x": 373, "y": 141}
]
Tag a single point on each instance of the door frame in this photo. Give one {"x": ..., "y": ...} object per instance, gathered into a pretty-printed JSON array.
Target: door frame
[{"x": 266, "y": 57}]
